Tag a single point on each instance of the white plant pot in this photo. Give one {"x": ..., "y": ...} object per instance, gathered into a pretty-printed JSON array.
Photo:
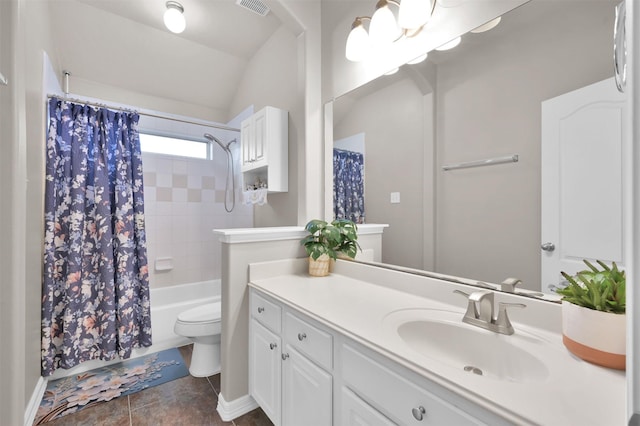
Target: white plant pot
[
  {"x": 595, "y": 336},
  {"x": 320, "y": 266}
]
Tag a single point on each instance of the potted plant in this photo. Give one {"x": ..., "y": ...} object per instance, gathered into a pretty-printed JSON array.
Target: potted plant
[
  {"x": 325, "y": 241},
  {"x": 348, "y": 247},
  {"x": 593, "y": 315}
]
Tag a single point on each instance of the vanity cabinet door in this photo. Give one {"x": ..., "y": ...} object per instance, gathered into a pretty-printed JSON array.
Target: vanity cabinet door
[
  {"x": 307, "y": 391},
  {"x": 265, "y": 370},
  {"x": 356, "y": 412}
]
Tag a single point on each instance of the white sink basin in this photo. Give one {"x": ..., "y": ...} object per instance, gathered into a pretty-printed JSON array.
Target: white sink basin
[{"x": 442, "y": 336}]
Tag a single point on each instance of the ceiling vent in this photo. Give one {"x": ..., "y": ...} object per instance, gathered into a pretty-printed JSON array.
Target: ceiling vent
[{"x": 256, "y": 6}]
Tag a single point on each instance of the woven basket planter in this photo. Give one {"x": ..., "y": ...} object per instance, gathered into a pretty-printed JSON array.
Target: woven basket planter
[{"x": 320, "y": 266}]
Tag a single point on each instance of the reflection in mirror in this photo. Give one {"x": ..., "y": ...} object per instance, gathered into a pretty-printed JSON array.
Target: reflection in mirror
[{"x": 478, "y": 101}]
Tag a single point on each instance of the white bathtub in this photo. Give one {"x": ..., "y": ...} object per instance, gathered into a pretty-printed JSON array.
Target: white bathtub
[{"x": 166, "y": 305}]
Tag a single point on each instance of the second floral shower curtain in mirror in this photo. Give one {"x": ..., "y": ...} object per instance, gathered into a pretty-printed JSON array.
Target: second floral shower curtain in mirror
[
  {"x": 95, "y": 299},
  {"x": 348, "y": 185}
]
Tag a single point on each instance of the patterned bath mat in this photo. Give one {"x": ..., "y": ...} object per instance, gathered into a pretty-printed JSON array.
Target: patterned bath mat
[{"x": 72, "y": 394}]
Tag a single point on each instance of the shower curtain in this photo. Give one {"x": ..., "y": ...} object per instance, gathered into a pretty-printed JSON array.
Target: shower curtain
[
  {"x": 95, "y": 299},
  {"x": 348, "y": 185}
]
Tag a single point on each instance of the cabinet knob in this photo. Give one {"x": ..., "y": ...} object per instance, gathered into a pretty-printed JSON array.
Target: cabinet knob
[
  {"x": 418, "y": 413},
  {"x": 260, "y": 309},
  {"x": 285, "y": 356},
  {"x": 272, "y": 346},
  {"x": 302, "y": 336}
]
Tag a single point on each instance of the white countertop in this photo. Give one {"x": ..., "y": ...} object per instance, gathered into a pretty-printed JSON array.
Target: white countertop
[{"x": 355, "y": 300}]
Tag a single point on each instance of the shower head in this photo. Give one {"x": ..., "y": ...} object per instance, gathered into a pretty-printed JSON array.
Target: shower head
[{"x": 216, "y": 140}]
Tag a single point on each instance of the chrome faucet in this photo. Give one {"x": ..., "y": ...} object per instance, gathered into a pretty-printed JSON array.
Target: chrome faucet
[{"x": 480, "y": 312}]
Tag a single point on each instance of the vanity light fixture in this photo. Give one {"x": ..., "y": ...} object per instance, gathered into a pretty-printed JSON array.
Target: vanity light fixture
[
  {"x": 385, "y": 29},
  {"x": 174, "y": 17},
  {"x": 415, "y": 14},
  {"x": 488, "y": 26},
  {"x": 358, "y": 44},
  {"x": 419, "y": 59},
  {"x": 450, "y": 45}
]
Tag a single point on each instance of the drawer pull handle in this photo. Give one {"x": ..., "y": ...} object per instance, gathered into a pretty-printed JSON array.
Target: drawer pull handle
[
  {"x": 418, "y": 413},
  {"x": 302, "y": 336},
  {"x": 260, "y": 309},
  {"x": 285, "y": 356},
  {"x": 273, "y": 345}
]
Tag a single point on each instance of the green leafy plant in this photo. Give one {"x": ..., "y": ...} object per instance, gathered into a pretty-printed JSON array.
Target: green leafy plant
[
  {"x": 348, "y": 237},
  {"x": 337, "y": 237},
  {"x": 601, "y": 290}
]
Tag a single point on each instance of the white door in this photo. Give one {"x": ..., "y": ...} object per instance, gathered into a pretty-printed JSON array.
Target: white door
[
  {"x": 307, "y": 392},
  {"x": 265, "y": 380},
  {"x": 582, "y": 214}
]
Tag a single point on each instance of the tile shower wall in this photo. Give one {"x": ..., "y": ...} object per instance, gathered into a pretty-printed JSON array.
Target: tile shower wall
[{"x": 184, "y": 202}]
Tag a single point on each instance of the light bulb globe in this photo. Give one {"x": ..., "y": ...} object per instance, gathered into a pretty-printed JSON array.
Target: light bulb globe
[
  {"x": 174, "y": 19},
  {"x": 357, "y": 46},
  {"x": 414, "y": 14},
  {"x": 384, "y": 28}
]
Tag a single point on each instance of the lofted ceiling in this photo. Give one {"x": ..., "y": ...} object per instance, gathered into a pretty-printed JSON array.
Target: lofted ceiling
[{"x": 124, "y": 44}]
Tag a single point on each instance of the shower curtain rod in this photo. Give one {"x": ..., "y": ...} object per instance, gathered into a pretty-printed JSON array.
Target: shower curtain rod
[{"x": 148, "y": 114}]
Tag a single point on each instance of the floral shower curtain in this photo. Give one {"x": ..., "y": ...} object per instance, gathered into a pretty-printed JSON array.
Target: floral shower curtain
[
  {"x": 348, "y": 185},
  {"x": 95, "y": 299}
]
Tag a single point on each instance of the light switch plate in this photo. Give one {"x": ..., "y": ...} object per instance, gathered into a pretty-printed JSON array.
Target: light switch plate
[{"x": 395, "y": 198}]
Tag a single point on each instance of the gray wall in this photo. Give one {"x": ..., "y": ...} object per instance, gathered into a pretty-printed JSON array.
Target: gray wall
[
  {"x": 486, "y": 97},
  {"x": 272, "y": 79},
  {"x": 488, "y": 219},
  {"x": 394, "y": 159}
]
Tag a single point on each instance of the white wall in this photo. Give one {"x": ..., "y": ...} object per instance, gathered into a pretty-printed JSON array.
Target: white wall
[
  {"x": 271, "y": 79},
  {"x": 184, "y": 202}
]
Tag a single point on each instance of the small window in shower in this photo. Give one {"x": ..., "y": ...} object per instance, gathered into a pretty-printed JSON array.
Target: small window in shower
[{"x": 174, "y": 146}]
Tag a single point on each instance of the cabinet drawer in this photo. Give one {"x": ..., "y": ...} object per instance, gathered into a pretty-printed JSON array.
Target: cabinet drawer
[
  {"x": 267, "y": 313},
  {"x": 395, "y": 396},
  {"x": 308, "y": 339}
]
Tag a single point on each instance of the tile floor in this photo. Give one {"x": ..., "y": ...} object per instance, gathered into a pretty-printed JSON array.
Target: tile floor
[{"x": 189, "y": 401}]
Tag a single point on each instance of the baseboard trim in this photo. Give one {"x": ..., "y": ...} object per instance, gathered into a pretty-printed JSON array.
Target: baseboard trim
[
  {"x": 34, "y": 402},
  {"x": 230, "y": 410}
]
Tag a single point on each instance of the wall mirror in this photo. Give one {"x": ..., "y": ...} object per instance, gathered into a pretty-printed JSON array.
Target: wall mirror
[{"x": 479, "y": 101}]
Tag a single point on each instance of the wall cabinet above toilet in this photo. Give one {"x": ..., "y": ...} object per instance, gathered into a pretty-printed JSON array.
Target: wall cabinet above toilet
[{"x": 265, "y": 150}]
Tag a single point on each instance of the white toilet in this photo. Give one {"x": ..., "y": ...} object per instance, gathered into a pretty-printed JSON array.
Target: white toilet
[{"x": 202, "y": 325}]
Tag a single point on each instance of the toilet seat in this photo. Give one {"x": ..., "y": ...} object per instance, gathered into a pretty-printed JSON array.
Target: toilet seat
[{"x": 207, "y": 313}]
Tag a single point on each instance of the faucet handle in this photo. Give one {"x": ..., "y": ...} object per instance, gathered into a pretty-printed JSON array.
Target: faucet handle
[
  {"x": 483, "y": 300},
  {"x": 509, "y": 285},
  {"x": 502, "y": 321},
  {"x": 472, "y": 311}
]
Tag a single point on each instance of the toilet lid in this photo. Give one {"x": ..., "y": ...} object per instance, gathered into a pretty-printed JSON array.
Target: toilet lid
[{"x": 203, "y": 313}]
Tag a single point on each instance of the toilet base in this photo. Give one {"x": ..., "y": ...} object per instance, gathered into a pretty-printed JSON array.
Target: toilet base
[{"x": 205, "y": 358}]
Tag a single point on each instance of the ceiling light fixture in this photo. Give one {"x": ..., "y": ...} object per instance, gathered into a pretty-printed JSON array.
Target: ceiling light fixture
[
  {"x": 174, "y": 18},
  {"x": 385, "y": 28}
]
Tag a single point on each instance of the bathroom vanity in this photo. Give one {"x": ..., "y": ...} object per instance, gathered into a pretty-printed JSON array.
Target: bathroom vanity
[{"x": 372, "y": 346}]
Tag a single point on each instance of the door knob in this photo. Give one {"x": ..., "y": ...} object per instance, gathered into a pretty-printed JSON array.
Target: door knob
[{"x": 548, "y": 247}]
